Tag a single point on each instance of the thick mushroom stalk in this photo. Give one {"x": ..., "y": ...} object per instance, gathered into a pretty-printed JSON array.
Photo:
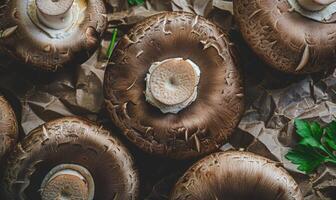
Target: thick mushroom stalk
[
  {"x": 315, "y": 5},
  {"x": 172, "y": 84},
  {"x": 55, "y": 14},
  {"x": 68, "y": 181},
  {"x": 318, "y": 10}
]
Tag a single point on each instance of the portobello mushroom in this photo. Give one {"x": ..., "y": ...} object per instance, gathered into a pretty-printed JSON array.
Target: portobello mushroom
[
  {"x": 174, "y": 87},
  {"x": 70, "y": 158},
  {"x": 51, "y": 34},
  {"x": 8, "y": 128},
  {"x": 294, "y": 36},
  {"x": 236, "y": 175}
]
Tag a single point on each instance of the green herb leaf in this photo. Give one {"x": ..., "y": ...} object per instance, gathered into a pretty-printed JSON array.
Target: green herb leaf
[
  {"x": 331, "y": 135},
  {"x": 136, "y": 2},
  {"x": 306, "y": 158},
  {"x": 315, "y": 147},
  {"x": 112, "y": 44},
  {"x": 311, "y": 133}
]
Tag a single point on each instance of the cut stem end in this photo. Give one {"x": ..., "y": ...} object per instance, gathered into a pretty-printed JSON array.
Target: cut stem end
[
  {"x": 172, "y": 84},
  {"x": 68, "y": 181}
]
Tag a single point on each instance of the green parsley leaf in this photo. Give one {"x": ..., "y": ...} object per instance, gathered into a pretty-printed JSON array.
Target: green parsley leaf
[
  {"x": 136, "y": 2},
  {"x": 311, "y": 133},
  {"x": 315, "y": 147},
  {"x": 306, "y": 158},
  {"x": 331, "y": 135}
]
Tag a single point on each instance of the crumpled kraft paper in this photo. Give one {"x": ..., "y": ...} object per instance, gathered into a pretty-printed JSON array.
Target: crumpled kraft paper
[{"x": 273, "y": 99}]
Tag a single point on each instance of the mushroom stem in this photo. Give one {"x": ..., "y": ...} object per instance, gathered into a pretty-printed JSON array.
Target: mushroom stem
[
  {"x": 315, "y": 5},
  {"x": 68, "y": 181},
  {"x": 172, "y": 84},
  {"x": 55, "y": 14}
]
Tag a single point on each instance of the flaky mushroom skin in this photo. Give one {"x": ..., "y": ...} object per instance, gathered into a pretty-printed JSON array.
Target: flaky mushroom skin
[
  {"x": 204, "y": 125},
  {"x": 285, "y": 39},
  {"x": 8, "y": 128},
  {"x": 27, "y": 43},
  {"x": 70, "y": 141},
  {"x": 236, "y": 175}
]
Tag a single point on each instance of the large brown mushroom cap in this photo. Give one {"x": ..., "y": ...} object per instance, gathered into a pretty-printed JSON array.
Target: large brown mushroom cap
[
  {"x": 43, "y": 47},
  {"x": 236, "y": 175},
  {"x": 8, "y": 127},
  {"x": 205, "y": 124},
  {"x": 284, "y": 38},
  {"x": 70, "y": 141}
]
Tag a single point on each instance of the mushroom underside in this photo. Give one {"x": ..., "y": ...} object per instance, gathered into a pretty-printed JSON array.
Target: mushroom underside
[
  {"x": 284, "y": 38},
  {"x": 51, "y": 48},
  {"x": 8, "y": 128},
  {"x": 201, "y": 126},
  {"x": 70, "y": 141}
]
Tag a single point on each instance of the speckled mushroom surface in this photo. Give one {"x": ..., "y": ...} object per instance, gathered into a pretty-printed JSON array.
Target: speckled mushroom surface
[
  {"x": 50, "y": 35},
  {"x": 205, "y": 123},
  {"x": 285, "y": 38},
  {"x": 236, "y": 175},
  {"x": 8, "y": 127},
  {"x": 71, "y": 144}
]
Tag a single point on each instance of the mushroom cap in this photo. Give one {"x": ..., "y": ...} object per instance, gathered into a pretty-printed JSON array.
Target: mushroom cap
[
  {"x": 75, "y": 141},
  {"x": 204, "y": 125},
  {"x": 236, "y": 175},
  {"x": 284, "y": 38},
  {"x": 8, "y": 127},
  {"x": 45, "y": 48}
]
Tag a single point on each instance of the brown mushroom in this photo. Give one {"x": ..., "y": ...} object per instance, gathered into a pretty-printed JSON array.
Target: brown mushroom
[
  {"x": 174, "y": 87},
  {"x": 8, "y": 128},
  {"x": 294, "y": 36},
  {"x": 70, "y": 158},
  {"x": 236, "y": 175},
  {"x": 51, "y": 34}
]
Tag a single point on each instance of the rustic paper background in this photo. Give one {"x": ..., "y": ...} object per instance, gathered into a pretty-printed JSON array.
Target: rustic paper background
[{"x": 274, "y": 99}]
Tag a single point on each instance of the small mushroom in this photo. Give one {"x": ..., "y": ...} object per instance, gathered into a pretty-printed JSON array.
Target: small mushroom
[
  {"x": 294, "y": 36},
  {"x": 174, "y": 87},
  {"x": 8, "y": 128},
  {"x": 236, "y": 175},
  {"x": 70, "y": 158},
  {"x": 51, "y": 34}
]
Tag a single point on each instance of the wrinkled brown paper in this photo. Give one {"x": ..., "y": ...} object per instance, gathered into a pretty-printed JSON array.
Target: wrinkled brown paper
[{"x": 273, "y": 99}]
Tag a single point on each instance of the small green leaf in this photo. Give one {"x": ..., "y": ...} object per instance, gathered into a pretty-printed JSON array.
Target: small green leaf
[
  {"x": 311, "y": 133},
  {"x": 331, "y": 130},
  {"x": 136, "y": 2},
  {"x": 317, "y": 131},
  {"x": 315, "y": 145},
  {"x": 112, "y": 43},
  {"x": 306, "y": 158},
  {"x": 331, "y": 143},
  {"x": 330, "y": 137},
  {"x": 302, "y": 128}
]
